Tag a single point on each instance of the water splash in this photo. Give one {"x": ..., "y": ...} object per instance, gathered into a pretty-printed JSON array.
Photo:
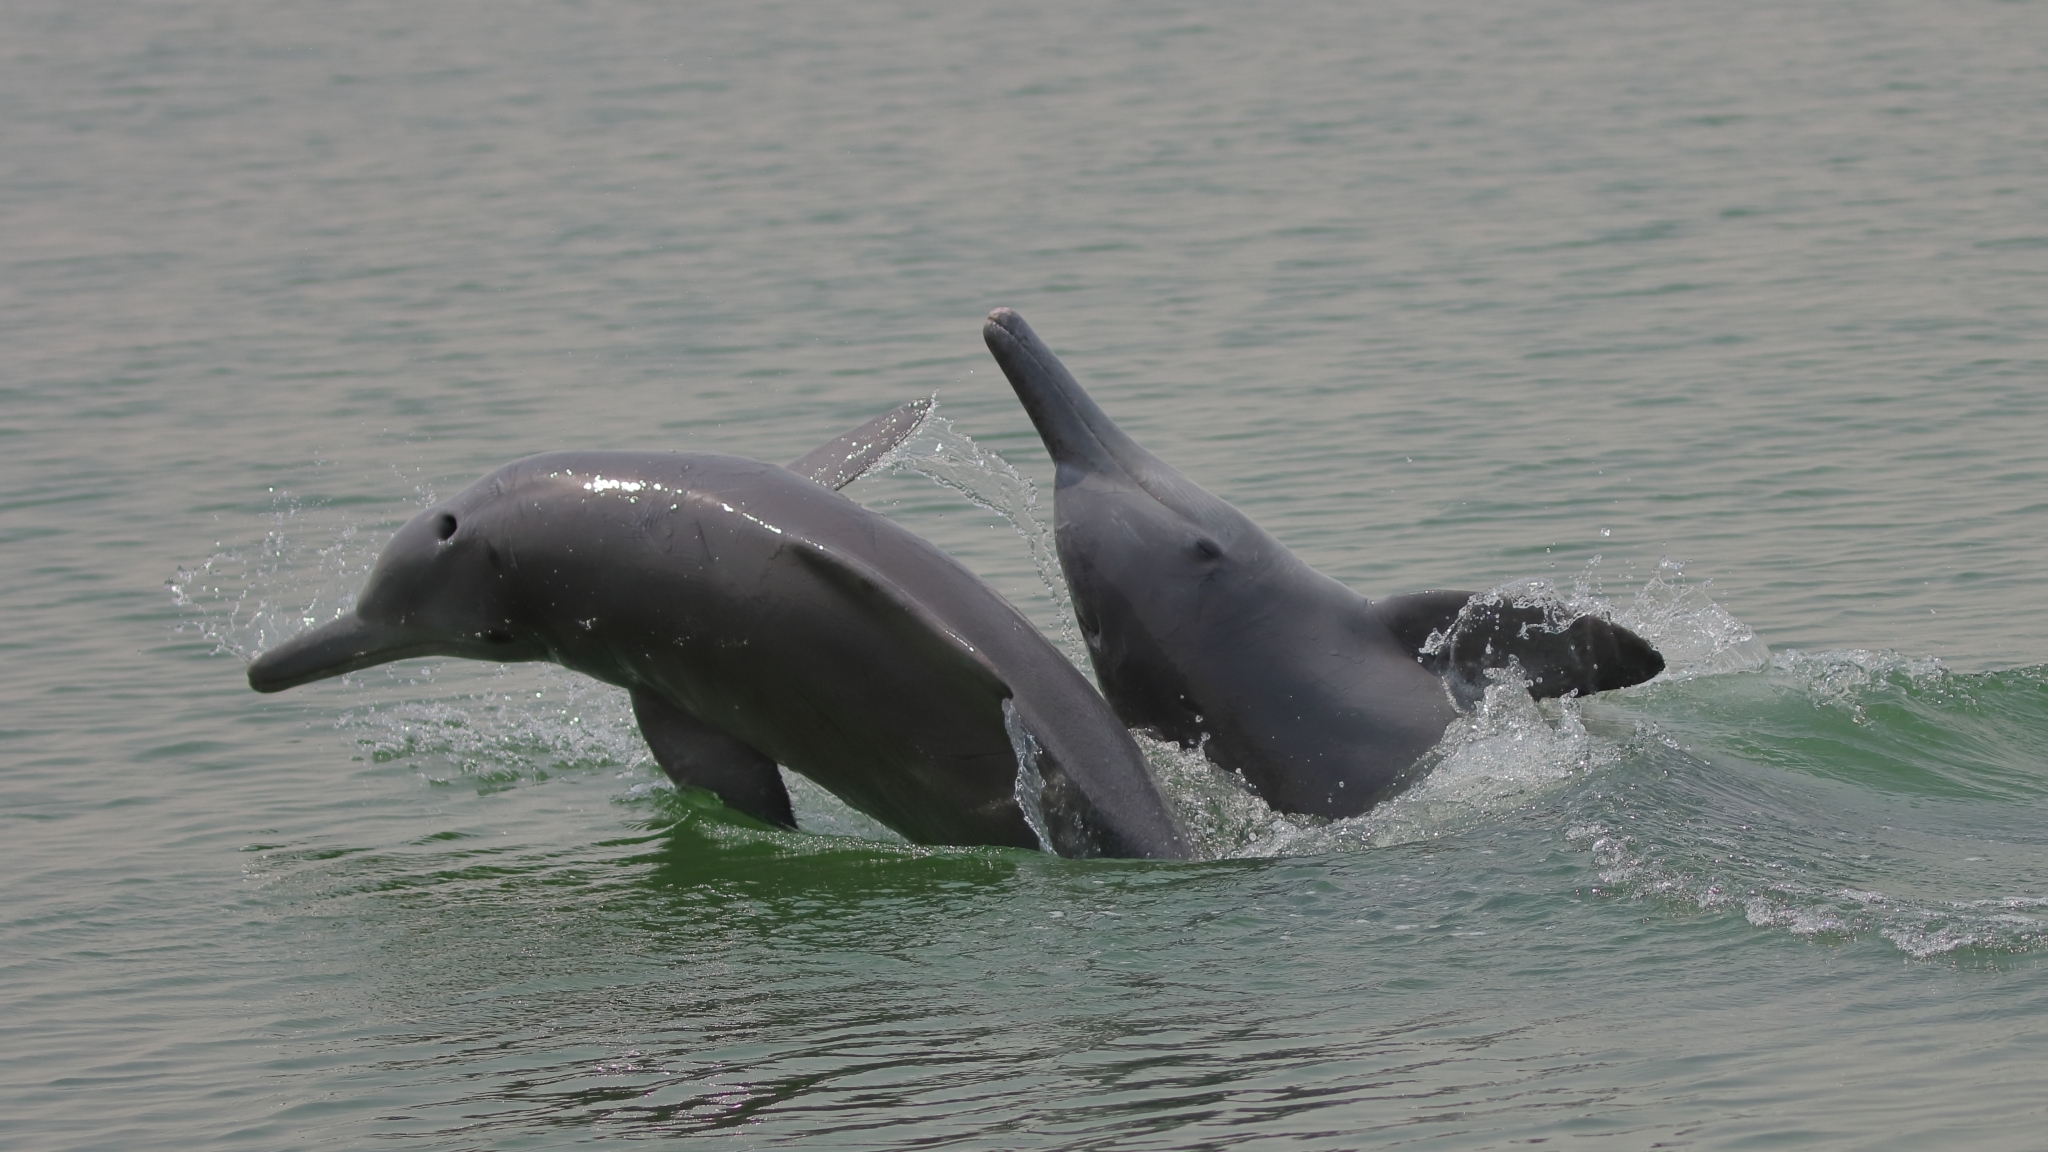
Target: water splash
[
  {"x": 1509, "y": 753},
  {"x": 523, "y": 724},
  {"x": 1851, "y": 679},
  {"x": 951, "y": 459},
  {"x": 1030, "y": 786},
  {"x": 1696, "y": 636},
  {"x": 1222, "y": 816},
  {"x": 245, "y": 598}
]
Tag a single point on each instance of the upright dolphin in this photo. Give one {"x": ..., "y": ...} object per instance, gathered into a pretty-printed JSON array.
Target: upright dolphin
[
  {"x": 758, "y": 617},
  {"x": 1204, "y": 629}
]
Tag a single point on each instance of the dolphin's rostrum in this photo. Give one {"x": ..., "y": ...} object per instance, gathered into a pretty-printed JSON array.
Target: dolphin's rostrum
[
  {"x": 759, "y": 618},
  {"x": 1205, "y": 630}
]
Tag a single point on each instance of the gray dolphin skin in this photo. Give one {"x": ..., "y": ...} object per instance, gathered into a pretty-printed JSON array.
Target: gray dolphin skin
[
  {"x": 1205, "y": 630},
  {"x": 758, "y": 618}
]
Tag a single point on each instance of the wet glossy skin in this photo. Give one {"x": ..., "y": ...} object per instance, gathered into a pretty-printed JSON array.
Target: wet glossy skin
[{"x": 758, "y": 618}]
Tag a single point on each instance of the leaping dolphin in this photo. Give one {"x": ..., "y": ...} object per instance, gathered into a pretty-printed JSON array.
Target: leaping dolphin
[
  {"x": 758, "y": 618},
  {"x": 1205, "y": 630}
]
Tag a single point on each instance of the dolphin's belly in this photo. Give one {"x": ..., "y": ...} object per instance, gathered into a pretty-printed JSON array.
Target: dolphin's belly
[
  {"x": 1320, "y": 718},
  {"x": 1144, "y": 684},
  {"x": 846, "y": 706}
]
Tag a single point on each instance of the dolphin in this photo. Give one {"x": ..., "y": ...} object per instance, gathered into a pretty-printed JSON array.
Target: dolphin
[
  {"x": 1206, "y": 631},
  {"x": 757, "y": 617}
]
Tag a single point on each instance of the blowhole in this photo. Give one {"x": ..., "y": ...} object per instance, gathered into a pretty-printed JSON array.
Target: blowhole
[
  {"x": 1207, "y": 549},
  {"x": 444, "y": 526}
]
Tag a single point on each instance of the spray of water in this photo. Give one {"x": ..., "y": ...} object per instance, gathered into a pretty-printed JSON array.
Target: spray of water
[
  {"x": 949, "y": 458},
  {"x": 245, "y": 598},
  {"x": 1697, "y": 636},
  {"x": 1030, "y": 787}
]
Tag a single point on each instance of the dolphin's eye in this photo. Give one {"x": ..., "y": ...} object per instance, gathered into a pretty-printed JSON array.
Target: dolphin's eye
[
  {"x": 1206, "y": 549},
  {"x": 444, "y": 526}
]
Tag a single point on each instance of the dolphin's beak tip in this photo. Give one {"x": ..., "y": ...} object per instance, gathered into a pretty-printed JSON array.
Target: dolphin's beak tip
[
  {"x": 260, "y": 678},
  {"x": 1003, "y": 321}
]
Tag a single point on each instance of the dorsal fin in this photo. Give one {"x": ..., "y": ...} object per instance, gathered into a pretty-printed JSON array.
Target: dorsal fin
[{"x": 840, "y": 461}]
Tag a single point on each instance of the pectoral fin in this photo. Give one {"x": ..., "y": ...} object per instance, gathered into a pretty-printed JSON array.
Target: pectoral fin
[
  {"x": 839, "y": 462},
  {"x": 1461, "y": 637},
  {"x": 696, "y": 755}
]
